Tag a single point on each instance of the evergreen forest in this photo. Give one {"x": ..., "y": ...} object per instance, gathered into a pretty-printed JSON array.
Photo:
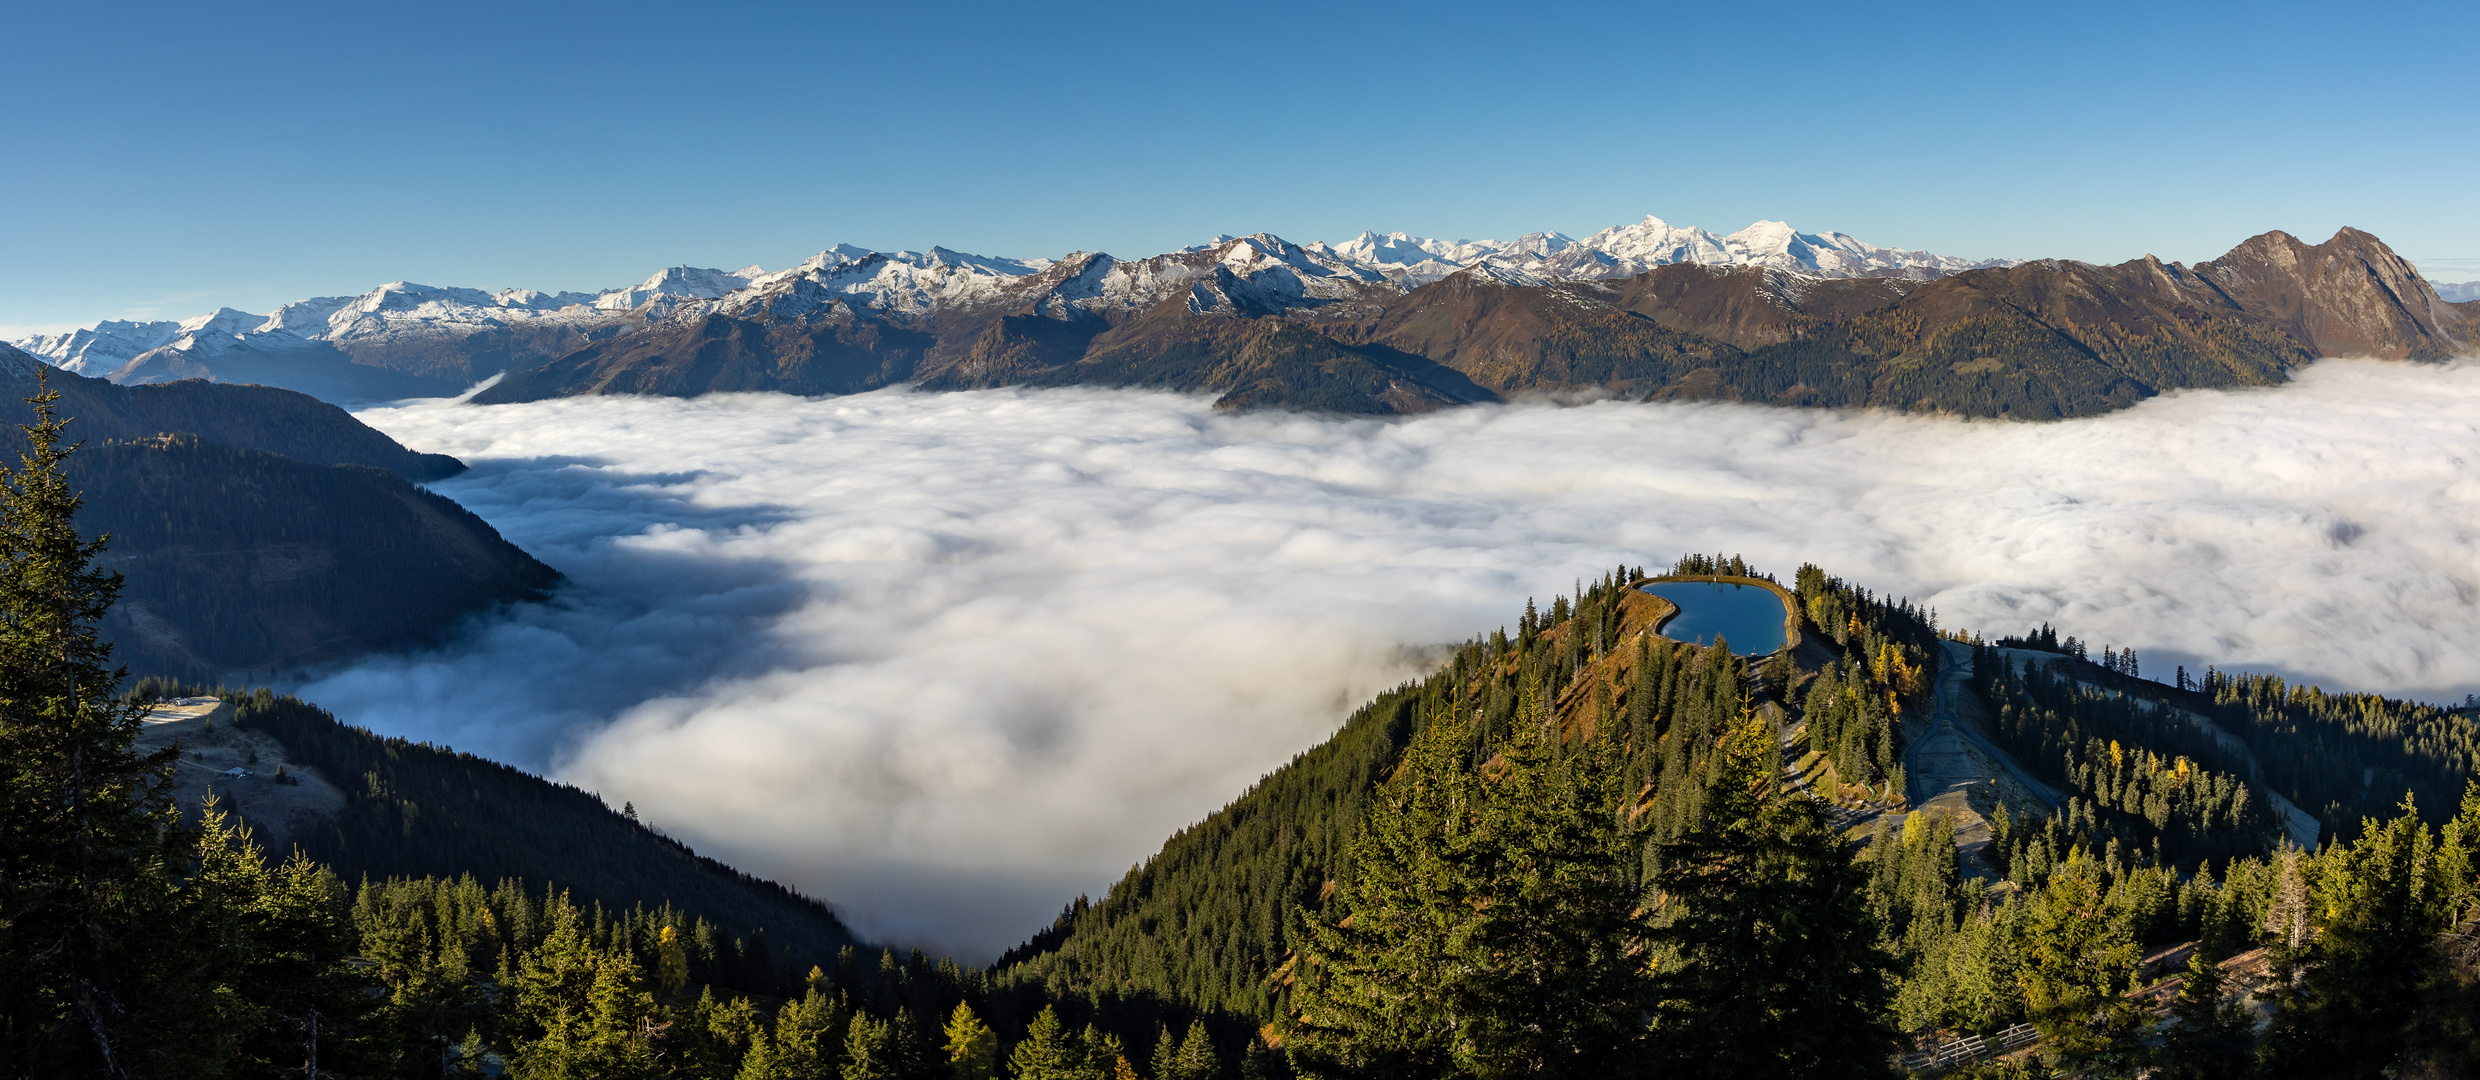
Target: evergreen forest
[
  {"x": 1575, "y": 849},
  {"x": 249, "y": 562}
]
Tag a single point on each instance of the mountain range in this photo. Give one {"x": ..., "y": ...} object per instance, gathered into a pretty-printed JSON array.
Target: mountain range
[
  {"x": 1265, "y": 323},
  {"x": 1377, "y": 324},
  {"x": 403, "y": 339},
  {"x": 1373, "y": 325}
]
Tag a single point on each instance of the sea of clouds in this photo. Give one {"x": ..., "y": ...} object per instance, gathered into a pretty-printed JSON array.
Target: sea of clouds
[{"x": 951, "y": 659}]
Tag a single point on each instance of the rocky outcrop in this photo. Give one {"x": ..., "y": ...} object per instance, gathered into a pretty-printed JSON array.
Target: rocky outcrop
[{"x": 2349, "y": 296}]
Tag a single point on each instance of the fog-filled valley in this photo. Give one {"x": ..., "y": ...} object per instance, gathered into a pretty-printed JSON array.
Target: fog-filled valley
[{"x": 951, "y": 659}]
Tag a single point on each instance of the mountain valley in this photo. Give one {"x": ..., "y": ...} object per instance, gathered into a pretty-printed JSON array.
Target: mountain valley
[{"x": 266, "y": 534}]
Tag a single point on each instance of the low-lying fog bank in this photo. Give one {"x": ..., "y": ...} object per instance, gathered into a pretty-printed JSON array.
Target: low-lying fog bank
[{"x": 950, "y": 659}]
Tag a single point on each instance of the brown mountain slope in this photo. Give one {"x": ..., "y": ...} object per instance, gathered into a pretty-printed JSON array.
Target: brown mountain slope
[
  {"x": 2037, "y": 340},
  {"x": 1260, "y": 363},
  {"x": 721, "y": 354},
  {"x": 1751, "y": 306},
  {"x": 1540, "y": 338},
  {"x": 2349, "y": 296}
]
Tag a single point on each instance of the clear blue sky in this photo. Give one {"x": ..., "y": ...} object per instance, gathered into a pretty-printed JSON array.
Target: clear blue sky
[{"x": 168, "y": 158}]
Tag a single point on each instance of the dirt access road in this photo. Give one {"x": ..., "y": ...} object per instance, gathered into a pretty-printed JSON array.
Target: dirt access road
[{"x": 1951, "y": 768}]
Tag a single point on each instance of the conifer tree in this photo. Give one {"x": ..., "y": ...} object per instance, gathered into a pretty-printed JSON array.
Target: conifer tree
[
  {"x": 1564, "y": 989},
  {"x": 2078, "y": 960},
  {"x": 805, "y": 1044},
  {"x": 1188, "y": 1058},
  {"x": 2384, "y": 902},
  {"x": 1105, "y": 1058},
  {"x": 1492, "y": 925},
  {"x": 86, "y": 829},
  {"x": 1769, "y": 967},
  {"x": 870, "y": 1050},
  {"x": 1381, "y": 990},
  {"x": 1050, "y": 1051},
  {"x": 972, "y": 1048},
  {"x": 295, "y": 991},
  {"x": 584, "y": 1011}
]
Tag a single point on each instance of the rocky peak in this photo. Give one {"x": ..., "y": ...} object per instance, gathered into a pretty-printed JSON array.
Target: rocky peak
[{"x": 2349, "y": 296}]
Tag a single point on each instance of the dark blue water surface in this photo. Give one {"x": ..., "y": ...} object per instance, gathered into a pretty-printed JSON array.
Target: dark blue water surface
[{"x": 1750, "y": 618}]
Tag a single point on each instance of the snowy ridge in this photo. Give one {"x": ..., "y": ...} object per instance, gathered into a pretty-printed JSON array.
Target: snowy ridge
[
  {"x": 98, "y": 349},
  {"x": 2456, "y": 292},
  {"x": 1256, "y": 274},
  {"x": 847, "y": 278},
  {"x": 1628, "y": 250}
]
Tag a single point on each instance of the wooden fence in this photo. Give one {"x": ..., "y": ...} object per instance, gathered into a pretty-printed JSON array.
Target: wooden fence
[{"x": 1939, "y": 1057}]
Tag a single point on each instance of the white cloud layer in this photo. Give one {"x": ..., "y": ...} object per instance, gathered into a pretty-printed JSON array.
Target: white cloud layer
[{"x": 948, "y": 659}]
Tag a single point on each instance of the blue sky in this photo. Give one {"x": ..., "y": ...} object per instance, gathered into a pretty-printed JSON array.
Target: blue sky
[{"x": 166, "y": 159}]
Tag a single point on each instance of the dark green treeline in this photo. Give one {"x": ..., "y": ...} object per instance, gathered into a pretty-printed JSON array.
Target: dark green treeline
[
  {"x": 2348, "y": 757},
  {"x": 1206, "y": 920},
  {"x": 1569, "y": 852},
  {"x": 2142, "y": 775}
]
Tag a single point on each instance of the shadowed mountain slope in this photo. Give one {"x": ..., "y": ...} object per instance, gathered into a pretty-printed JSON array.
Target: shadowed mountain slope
[
  {"x": 277, "y": 421},
  {"x": 246, "y": 564},
  {"x": 263, "y": 530},
  {"x": 414, "y": 809}
]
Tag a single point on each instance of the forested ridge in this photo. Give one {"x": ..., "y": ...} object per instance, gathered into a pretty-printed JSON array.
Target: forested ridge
[
  {"x": 2346, "y": 757},
  {"x": 2142, "y": 775},
  {"x": 2163, "y": 841},
  {"x": 263, "y": 530},
  {"x": 1213, "y": 917},
  {"x": 2342, "y": 757},
  {"x": 245, "y": 417},
  {"x": 414, "y": 810},
  {"x": 243, "y": 563},
  {"x": 1570, "y": 851}
]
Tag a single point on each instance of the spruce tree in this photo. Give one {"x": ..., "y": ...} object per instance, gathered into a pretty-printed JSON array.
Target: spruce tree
[
  {"x": 1049, "y": 1051},
  {"x": 2078, "y": 958},
  {"x": 870, "y": 1050},
  {"x": 805, "y": 1044},
  {"x": 1188, "y": 1058},
  {"x": 1105, "y": 1058},
  {"x": 1382, "y": 991},
  {"x": 582, "y": 1011},
  {"x": 2384, "y": 903},
  {"x": 1769, "y": 964},
  {"x": 87, "y": 832},
  {"x": 1564, "y": 994},
  {"x": 1492, "y": 922}
]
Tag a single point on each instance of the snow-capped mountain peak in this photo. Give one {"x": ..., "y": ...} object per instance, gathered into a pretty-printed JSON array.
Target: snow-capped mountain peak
[
  {"x": 1631, "y": 249},
  {"x": 1255, "y": 274},
  {"x": 678, "y": 282},
  {"x": 102, "y": 347}
]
